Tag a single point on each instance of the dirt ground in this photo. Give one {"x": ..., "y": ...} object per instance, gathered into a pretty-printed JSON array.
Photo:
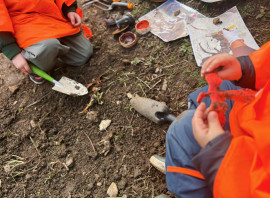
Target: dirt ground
[{"x": 49, "y": 149}]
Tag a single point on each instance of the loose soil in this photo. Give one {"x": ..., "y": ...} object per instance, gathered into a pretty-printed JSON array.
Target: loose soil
[{"x": 49, "y": 149}]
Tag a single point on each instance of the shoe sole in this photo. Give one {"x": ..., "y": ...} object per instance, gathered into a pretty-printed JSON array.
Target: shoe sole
[
  {"x": 159, "y": 163},
  {"x": 38, "y": 83}
]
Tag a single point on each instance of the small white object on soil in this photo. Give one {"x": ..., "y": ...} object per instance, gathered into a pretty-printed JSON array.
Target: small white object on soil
[
  {"x": 69, "y": 162},
  {"x": 7, "y": 168},
  {"x": 112, "y": 190},
  {"x": 129, "y": 95},
  {"x": 104, "y": 125},
  {"x": 164, "y": 85},
  {"x": 33, "y": 124}
]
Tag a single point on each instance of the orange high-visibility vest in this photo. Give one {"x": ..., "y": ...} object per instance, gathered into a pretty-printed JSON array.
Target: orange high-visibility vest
[
  {"x": 245, "y": 169},
  {"x": 31, "y": 21}
]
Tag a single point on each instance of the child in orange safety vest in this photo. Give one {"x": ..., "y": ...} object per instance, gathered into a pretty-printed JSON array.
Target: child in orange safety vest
[
  {"x": 43, "y": 32},
  {"x": 204, "y": 159}
]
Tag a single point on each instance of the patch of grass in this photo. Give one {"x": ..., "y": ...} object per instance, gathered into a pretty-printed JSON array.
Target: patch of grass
[
  {"x": 182, "y": 105},
  {"x": 197, "y": 76},
  {"x": 246, "y": 10},
  {"x": 13, "y": 166},
  {"x": 141, "y": 88},
  {"x": 152, "y": 44},
  {"x": 118, "y": 136},
  {"x": 128, "y": 107},
  {"x": 136, "y": 61},
  {"x": 20, "y": 109},
  {"x": 186, "y": 47}
]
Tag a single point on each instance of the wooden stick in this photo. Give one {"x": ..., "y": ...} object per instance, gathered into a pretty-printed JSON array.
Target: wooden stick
[{"x": 90, "y": 142}]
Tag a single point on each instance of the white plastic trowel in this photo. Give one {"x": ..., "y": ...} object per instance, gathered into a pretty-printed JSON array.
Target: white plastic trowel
[{"x": 64, "y": 85}]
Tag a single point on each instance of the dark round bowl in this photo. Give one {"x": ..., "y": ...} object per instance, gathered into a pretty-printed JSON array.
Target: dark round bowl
[{"x": 128, "y": 39}]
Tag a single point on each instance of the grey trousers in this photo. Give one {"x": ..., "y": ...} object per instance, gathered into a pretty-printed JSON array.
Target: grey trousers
[{"x": 73, "y": 50}]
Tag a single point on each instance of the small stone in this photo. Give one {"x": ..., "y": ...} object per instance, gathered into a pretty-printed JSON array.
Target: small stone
[
  {"x": 33, "y": 124},
  {"x": 13, "y": 88},
  {"x": 126, "y": 61},
  {"x": 177, "y": 12},
  {"x": 7, "y": 168},
  {"x": 97, "y": 176},
  {"x": 118, "y": 102},
  {"x": 217, "y": 21},
  {"x": 104, "y": 125},
  {"x": 112, "y": 190},
  {"x": 158, "y": 70},
  {"x": 130, "y": 96},
  {"x": 164, "y": 85},
  {"x": 69, "y": 162},
  {"x": 99, "y": 184}
]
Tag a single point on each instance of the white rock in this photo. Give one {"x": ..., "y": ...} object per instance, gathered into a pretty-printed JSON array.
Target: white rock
[
  {"x": 129, "y": 95},
  {"x": 164, "y": 85},
  {"x": 112, "y": 190},
  {"x": 69, "y": 162},
  {"x": 33, "y": 124},
  {"x": 104, "y": 125},
  {"x": 7, "y": 168}
]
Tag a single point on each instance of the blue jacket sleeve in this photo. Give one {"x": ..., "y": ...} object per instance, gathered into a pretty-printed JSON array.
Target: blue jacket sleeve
[{"x": 208, "y": 160}]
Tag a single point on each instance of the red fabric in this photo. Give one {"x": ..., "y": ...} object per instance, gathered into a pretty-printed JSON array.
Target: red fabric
[
  {"x": 33, "y": 21},
  {"x": 245, "y": 169},
  {"x": 185, "y": 171},
  {"x": 87, "y": 31}
]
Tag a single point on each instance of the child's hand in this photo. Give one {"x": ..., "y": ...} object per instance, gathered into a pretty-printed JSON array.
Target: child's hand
[
  {"x": 74, "y": 19},
  {"x": 21, "y": 63},
  {"x": 205, "y": 130},
  {"x": 225, "y": 65}
]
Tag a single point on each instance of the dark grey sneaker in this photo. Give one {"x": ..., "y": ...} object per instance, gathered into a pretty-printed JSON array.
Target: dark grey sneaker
[{"x": 36, "y": 79}]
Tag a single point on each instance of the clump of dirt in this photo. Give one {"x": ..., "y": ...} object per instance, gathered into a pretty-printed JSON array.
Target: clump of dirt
[{"x": 50, "y": 149}]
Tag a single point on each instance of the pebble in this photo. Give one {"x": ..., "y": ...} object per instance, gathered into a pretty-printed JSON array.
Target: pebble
[
  {"x": 112, "y": 190},
  {"x": 7, "y": 168},
  {"x": 33, "y": 124},
  {"x": 164, "y": 85},
  {"x": 99, "y": 184},
  {"x": 13, "y": 88},
  {"x": 104, "y": 125},
  {"x": 69, "y": 162},
  {"x": 129, "y": 95}
]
